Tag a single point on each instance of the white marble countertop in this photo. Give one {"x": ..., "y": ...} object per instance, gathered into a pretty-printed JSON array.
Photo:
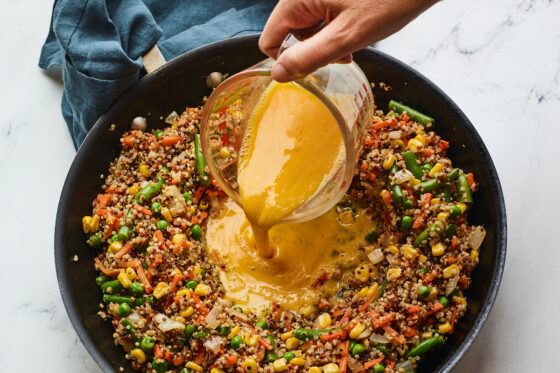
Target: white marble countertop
[{"x": 499, "y": 60}]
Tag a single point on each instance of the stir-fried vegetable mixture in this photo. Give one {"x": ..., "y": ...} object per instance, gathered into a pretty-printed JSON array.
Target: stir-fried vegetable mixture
[{"x": 161, "y": 287}]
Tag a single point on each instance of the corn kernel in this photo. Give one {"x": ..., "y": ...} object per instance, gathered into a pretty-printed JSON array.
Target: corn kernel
[
  {"x": 421, "y": 138},
  {"x": 280, "y": 365},
  {"x": 139, "y": 355},
  {"x": 250, "y": 366},
  {"x": 422, "y": 258},
  {"x": 372, "y": 289},
  {"x": 414, "y": 181},
  {"x": 224, "y": 153},
  {"x": 357, "y": 330},
  {"x": 133, "y": 189},
  {"x": 298, "y": 361},
  {"x": 474, "y": 254},
  {"x": 393, "y": 249},
  {"x": 196, "y": 270},
  {"x": 393, "y": 274},
  {"x": 362, "y": 273},
  {"x": 409, "y": 252},
  {"x": 389, "y": 161},
  {"x": 314, "y": 370},
  {"x": 286, "y": 335},
  {"x": 363, "y": 292},
  {"x": 292, "y": 343},
  {"x": 414, "y": 144},
  {"x": 166, "y": 214},
  {"x": 161, "y": 289},
  {"x": 235, "y": 331},
  {"x": 216, "y": 370},
  {"x": 94, "y": 224},
  {"x": 434, "y": 201},
  {"x": 330, "y": 368},
  {"x": 184, "y": 293},
  {"x": 144, "y": 170},
  {"x": 437, "y": 168},
  {"x": 174, "y": 272},
  {"x": 451, "y": 271},
  {"x": 124, "y": 280},
  {"x": 444, "y": 328},
  {"x": 178, "y": 238},
  {"x": 131, "y": 273},
  {"x": 86, "y": 222},
  {"x": 433, "y": 294},
  {"x": 460, "y": 300},
  {"x": 307, "y": 310},
  {"x": 438, "y": 249},
  {"x": 194, "y": 366},
  {"x": 382, "y": 193},
  {"x": 180, "y": 319},
  {"x": 325, "y": 320},
  {"x": 115, "y": 247},
  {"x": 462, "y": 206},
  {"x": 398, "y": 143},
  {"x": 251, "y": 339},
  {"x": 187, "y": 312},
  {"x": 427, "y": 335},
  {"x": 202, "y": 290},
  {"x": 442, "y": 216}
]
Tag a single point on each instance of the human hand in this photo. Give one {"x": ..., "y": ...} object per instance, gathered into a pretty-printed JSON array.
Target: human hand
[{"x": 350, "y": 25}]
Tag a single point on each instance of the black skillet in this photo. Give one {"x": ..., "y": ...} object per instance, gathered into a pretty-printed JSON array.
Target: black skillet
[{"x": 181, "y": 83}]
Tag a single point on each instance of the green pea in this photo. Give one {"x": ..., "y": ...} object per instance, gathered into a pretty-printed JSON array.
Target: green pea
[
  {"x": 185, "y": 370},
  {"x": 427, "y": 167},
  {"x": 124, "y": 309},
  {"x": 352, "y": 344},
  {"x": 262, "y": 324},
  {"x": 423, "y": 291},
  {"x": 406, "y": 223},
  {"x": 423, "y": 270},
  {"x": 187, "y": 196},
  {"x": 101, "y": 280},
  {"x": 236, "y": 342},
  {"x": 115, "y": 238},
  {"x": 271, "y": 357},
  {"x": 224, "y": 330},
  {"x": 136, "y": 289},
  {"x": 189, "y": 331},
  {"x": 444, "y": 302},
  {"x": 289, "y": 355},
  {"x": 147, "y": 344},
  {"x": 94, "y": 240},
  {"x": 378, "y": 368},
  {"x": 161, "y": 225},
  {"x": 358, "y": 349},
  {"x": 159, "y": 133},
  {"x": 408, "y": 204},
  {"x": 381, "y": 348},
  {"x": 455, "y": 210},
  {"x": 196, "y": 231},
  {"x": 372, "y": 236},
  {"x": 191, "y": 284},
  {"x": 123, "y": 233},
  {"x": 156, "y": 207},
  {"x": 159, "y": 365}
]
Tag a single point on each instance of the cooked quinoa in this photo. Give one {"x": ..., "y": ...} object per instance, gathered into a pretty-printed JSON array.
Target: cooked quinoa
[{"x": 161, "y": 288}]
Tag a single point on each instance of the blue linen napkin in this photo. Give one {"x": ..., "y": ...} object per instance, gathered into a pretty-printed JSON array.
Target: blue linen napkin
[{"x": 99, "y": 44}]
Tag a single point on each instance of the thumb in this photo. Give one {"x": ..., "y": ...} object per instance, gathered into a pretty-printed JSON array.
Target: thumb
[{"x": 328, "y": 45}]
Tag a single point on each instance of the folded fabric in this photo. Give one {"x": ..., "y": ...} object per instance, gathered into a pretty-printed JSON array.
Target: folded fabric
[{"x": 99, "y": 44}]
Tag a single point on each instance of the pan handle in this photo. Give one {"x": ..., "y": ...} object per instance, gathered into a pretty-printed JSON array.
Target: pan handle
[{"x": 153, "y": 59}]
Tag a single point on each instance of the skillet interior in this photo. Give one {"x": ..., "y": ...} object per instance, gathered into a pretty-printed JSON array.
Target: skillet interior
[{"x": 181, "y": 83}]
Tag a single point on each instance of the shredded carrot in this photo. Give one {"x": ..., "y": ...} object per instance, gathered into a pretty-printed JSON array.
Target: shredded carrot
[
  {"x": 231, "y": 359},
  {"x": 170, "y": 140},
  {"x": 384, "y": 320},
  {"x": 115, "y": 190},
  {"x": 428, "y": 152},
  {"x": 129, "y": 140},
  {"x": 337, "y": 334},
  {"x": 394, "y": 334},
  {"x": 365, "y": 306},
  {"x": 143, "y": 279},
  {"x": 103, "y": 200},
  {"x": 107, "y": 272},
  {"x": 125, "y": 249},
  {"x": 177, "y": 277},
  {"x": 198, "y": 193},
  {"x": 387, "y": 198},
  {"x": 178, "y": 360},
  {"x": 409, "y": 332},
  {"x": 391, "y": 364},
  {"x": 154, "y": 141},
  {"x": 372, "y": 176},
  {"x": 436, "y": 307},
  {"x": 215, "y": 257},
  {"x": 430, "y": 277},
  {"x": 200, "y": 357},
  {"x": 265, "y": 344},
  {"x": 142, "y": 209},
  {"x": 159, "y": 236},
  {"x": 413, "y": 309},
  {"x": 344, "y": 357},
  {"x": 158, "y": 353},
  {"x": 184, "y": 244},
  {"x": 344, "y": 318},
  {"x": 443, "y": 145},
  {"x": 453, "y": 319},
  {"x": 470, "y": 179},
  {"x": 168, "y": 355},
  {"x": 371, "y": 363}
]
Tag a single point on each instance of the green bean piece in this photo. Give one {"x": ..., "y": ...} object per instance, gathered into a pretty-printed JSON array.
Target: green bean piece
[
  {"x": 102, "y": 279},
  {"x": 450, "y": 230},
  {"x": 378, "y": 368},
  {"x": 236, "y": 342},
  {"x": 408, "y": 204},
  {"x": 425, "y": 346},
  {"x": 423, "y": 270},
  {"x": 381, "y": 289},
  {"x": 261, "y": 324},
  {"x": 202, "y": 274},
  {"x": 423, "y": 291},
  {"x": 200, "y": 162},
  {"x": 455, "y": 211},
  {"x": 124, "y": 309},
  {"x": 304, "y": 334},
  {"x": 271, "y": 357},
  {"x": 464, "y": 189},
  {"x": 202, "y": 334},
  {"x": 427, "y": 186},
  {"x": 392, "y": 115},
  {"x": 115, "y": 238},
  {"x": 189, "y": 331},
  {"x": 357, "y": 349},
  {"x": 137, "y": 289},
  {"x": 423, "y": 237},
  {"x": 140, "y": 301},
  {"x": 427, "y": 167},
  {"x": 423, "y": 119},
  {"x": 124, "y": 233},
  {"x": 196, "y": 231},
  {"x": 288, "y": 355},
  {"x": 453, "y": 174},
  {"x": 398, "y": 196},
  {"x": 447, "y": 193},
  {"x": 443, "y": 301},
  {"x": 187, "y": 196},
  {"x": 412, "y": 164},
  {"x": 94, "y": 240},
  {"x": 114, "y": 285},
  {"x": 131, "y": 330},
  {"x": 372, "y": 236},
  {"x": 147, "y": 344},
  {"x": 406, "y": 222},
  {"x": 159, "y": 133},
  {"x": 394, "y": 169},
  {"x": 151, "y": 189},
  {"x": 223, "y": 330},
  {"x": 109, "y": 298},
  {"x": 160, "y": 365},
  {"x": 191, "y": 284},
  {"x": 381, "y": 348},
  {"x": 156, "y": 207}
]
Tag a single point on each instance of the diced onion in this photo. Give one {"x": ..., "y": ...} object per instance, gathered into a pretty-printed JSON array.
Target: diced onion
[
  {"x": 213, "y": 344},
  {"x": 376, "y": 256},
  {"x": 136, "y": 319},
  {"x": 451, "y": 285},
  {"x": 354, "y": 365},
  {"x": 405, "y": 366},
  {"x": 402, "y": 176},
  {"x": 172, "y": 118},
  {"x": 165, "y": 324},
  {"x": 476, "y": 237},
  {"x": 378, "y": 338},
  {"x": 393, "y": 135},
  {"x": 212, "y": 318},
  {"x": 366, "y": 333}
]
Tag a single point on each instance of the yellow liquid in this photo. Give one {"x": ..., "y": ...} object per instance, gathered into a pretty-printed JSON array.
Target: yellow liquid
[
  {"x": 291, "y": 148},
  {"x": 303, "y": 252}
]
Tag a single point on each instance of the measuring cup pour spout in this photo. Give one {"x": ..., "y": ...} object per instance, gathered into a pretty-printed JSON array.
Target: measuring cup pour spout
[{"x": 342, "y": 88}]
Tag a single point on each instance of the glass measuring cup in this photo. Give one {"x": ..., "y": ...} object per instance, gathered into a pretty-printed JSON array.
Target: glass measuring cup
[{"x": 343, "y": 89}]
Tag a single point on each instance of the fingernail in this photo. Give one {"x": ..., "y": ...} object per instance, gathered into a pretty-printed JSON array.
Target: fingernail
[{"x": 280, "y": 74}]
